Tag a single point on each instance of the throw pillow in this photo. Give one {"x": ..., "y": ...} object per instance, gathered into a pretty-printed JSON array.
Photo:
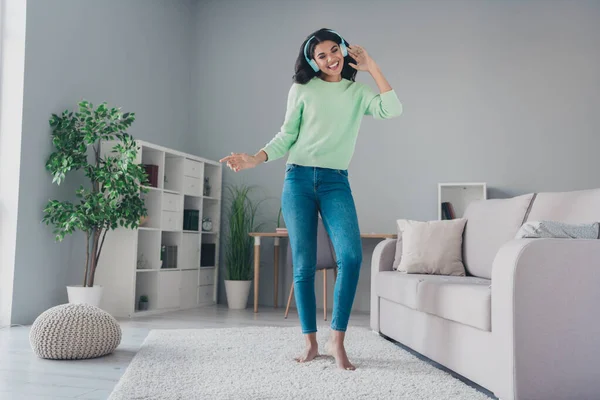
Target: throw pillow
[
  {"x": 398, "y": 254},
  {"x": 432, "y": 247}
]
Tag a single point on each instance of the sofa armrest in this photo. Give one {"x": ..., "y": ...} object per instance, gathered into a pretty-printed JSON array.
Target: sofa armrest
[
  {"x": 545, "y": 325},
  {"x": 382, "y": 260}
]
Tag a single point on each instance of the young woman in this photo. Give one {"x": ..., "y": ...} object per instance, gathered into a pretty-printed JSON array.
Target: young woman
[{"x": 325, "y": 107}]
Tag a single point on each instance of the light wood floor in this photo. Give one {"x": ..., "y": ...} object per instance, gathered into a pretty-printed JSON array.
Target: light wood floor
[{"x": 23, "y": 376}]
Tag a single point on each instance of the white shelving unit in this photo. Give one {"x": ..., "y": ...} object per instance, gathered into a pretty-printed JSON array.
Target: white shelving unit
[
  {"x": 131, "y": 266},
  {"x": 459, "y": 195}
]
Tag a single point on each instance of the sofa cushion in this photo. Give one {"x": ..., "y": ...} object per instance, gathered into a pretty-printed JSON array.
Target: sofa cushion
[
  {"x": 432, "y": 247},
  {"x": 575, "y": 207},
  {"x": 490, "y": 224},
  {"x": 399, "y": 288},
  {"x": 466, "y": 300}
]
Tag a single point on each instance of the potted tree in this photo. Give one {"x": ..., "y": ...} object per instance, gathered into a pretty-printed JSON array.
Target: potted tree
[
  {"x": 240, "y": 214},
  {"x": 112, "y": 195}
]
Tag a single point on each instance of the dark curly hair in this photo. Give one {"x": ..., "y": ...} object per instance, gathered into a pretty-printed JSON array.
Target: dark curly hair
[{"x": 304, "y": 72}]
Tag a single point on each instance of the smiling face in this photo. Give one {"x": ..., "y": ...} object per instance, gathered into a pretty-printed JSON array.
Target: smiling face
[{"x": 330, "y": 60}]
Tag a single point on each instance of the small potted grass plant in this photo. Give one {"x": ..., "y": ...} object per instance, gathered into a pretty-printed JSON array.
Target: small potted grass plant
[
  {"x": 143, "y": 303},
  {"x": 241, "y": 220}
]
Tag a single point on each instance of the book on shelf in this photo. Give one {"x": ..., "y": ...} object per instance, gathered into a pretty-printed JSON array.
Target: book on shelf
[
  {"x": 448, "y": 210},
  {"x": 207, "y": 254},
  {"x": 152, "y": 172},
  {"x": 191, "y": 220},
  {"x": 168, "y": 257}
]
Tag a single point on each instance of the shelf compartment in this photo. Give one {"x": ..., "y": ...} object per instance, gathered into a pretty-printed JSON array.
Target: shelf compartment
[
  {"x": 172, "y": 202},
  {"x": 212, "y": 181},
  {"x": 172, "y": 221},
  {"x": 148, "y": 250},
  {"x": 207, "y": 276},
  {"x": 457, "y": 196},
  {"x": 153, "y": 161},
  {"x": 170, "y": 249},
  {"x": 192, "y": 186},
  {"x": 189, "y": 289},
  {"x": 192, "y": 214},
  {"x": 209, "y": 251},
  {"x": 169, "y": 284},
  {"x": 190, "y": 251},
  {"x": 152, "y": 201},
  {"x": 173, "y": 180},
  {"x": 206, "y": 294},
  {"x": 147, "y": 285},
  {"x": 212, "y": 210},
  {"x": 193, "y": 168}
]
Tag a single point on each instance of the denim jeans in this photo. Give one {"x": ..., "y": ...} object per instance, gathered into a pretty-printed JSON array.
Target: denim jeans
[{"x": 308, "y": 191}]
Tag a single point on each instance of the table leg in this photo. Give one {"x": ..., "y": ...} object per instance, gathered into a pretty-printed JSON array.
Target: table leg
[
  {"x": 276, "y": 271},
  {"x": 256, "y": 270}
]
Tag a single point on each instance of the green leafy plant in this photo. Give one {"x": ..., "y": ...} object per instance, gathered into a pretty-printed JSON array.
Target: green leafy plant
[
  {"x": 144, "y": 299},
  {"x": 241, "y": 217},
  {"x": 113, "y": 196}
]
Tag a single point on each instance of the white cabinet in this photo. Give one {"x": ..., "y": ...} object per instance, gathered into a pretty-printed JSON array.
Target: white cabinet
[
  {"x": 171, "y": 221},
  {"x": 454, "y": 198},
  {"x": 171, "y": 202},
  {"x": 168, "y": 290},
  {"x": 192, "y": 186},
  {"x": 192, "y": 168},
  {"x": 190, "y": 251},
  {"x": 207, "y": 276},
  {"x": 205, "y": 294},
  {"x": 189, "y": 289},
  {"x": 132, "y": 260}
]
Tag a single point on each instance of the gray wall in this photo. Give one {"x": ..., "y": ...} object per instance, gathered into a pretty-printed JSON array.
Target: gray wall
[
  {"x": 136, "y": 54},
  {"x": 505, "y": 92},
  {"x": 502, "y": 92}
]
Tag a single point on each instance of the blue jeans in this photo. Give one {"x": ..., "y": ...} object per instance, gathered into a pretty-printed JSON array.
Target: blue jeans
[{"x": 308, "y": 191}]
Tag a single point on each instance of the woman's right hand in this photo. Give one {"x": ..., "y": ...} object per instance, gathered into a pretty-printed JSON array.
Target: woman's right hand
[{"x": 240, "y": 161}]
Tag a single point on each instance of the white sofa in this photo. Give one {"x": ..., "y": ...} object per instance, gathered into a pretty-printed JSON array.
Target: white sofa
[{"x": 524, "y": 322}]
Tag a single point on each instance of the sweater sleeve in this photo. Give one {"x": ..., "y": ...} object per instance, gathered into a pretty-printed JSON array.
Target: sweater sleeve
[
  {"x": 381, "y": 105},
  {"x": 283, "y": 141}
]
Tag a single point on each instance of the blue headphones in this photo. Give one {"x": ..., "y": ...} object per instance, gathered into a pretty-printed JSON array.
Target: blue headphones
[{"x": 312, "y": 62}]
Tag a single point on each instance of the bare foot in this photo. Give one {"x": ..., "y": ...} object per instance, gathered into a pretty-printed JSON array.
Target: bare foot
[
  {"x": 309, "y": 354},
  {"x": 335, "y": 347},
  {"x": 312, "y": 349}
]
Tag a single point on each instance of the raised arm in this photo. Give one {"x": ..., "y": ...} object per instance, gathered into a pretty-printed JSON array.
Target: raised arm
[{"x": 384, "y": 105}]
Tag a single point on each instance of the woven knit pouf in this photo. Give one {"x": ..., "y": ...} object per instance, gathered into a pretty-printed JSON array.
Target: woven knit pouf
[{"x": 74, "y": 332}]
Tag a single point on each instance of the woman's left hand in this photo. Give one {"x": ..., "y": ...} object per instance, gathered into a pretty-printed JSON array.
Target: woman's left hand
[{"x": 364, "y": 62}]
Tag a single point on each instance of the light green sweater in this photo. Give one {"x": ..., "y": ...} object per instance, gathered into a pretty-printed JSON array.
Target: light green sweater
[{"x": 322, "y": 121}]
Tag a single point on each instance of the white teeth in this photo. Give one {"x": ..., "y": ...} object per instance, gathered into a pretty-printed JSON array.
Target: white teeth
[{"x": 334, "y": 65}]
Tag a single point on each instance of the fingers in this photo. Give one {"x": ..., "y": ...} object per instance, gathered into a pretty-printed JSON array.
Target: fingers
[
  {"x": 234, "y": 161},
  {"x": 231, "y": 157},
  {"x": 355, "y": 54},
  {"x": 353, "y": 66}
]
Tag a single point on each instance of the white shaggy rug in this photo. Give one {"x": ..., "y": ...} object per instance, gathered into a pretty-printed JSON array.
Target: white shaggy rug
[{"x": 257, "y": 363}]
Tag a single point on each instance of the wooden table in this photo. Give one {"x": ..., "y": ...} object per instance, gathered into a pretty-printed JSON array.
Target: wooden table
[{"x": 277, "y": 236}]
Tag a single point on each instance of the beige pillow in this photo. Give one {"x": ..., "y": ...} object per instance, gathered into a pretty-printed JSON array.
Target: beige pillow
[{"x": 432, "y": 247}]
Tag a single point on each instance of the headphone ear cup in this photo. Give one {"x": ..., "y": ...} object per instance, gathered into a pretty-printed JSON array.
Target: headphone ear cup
[
  {"x": 314, "y": 65},
  {"x": 344, "y": 48}
]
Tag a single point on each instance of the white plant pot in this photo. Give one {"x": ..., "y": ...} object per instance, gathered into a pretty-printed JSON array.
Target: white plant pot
[
  {"x": 237, "y": 294},
  {"x": 85, "y": 295}
]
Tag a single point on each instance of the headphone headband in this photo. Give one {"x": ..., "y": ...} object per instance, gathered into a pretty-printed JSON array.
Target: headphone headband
[{"x": 312, "y": 62}]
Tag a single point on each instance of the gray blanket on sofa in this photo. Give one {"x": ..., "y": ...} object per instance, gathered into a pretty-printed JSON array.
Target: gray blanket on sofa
[{"x": 554, "y": 229}]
